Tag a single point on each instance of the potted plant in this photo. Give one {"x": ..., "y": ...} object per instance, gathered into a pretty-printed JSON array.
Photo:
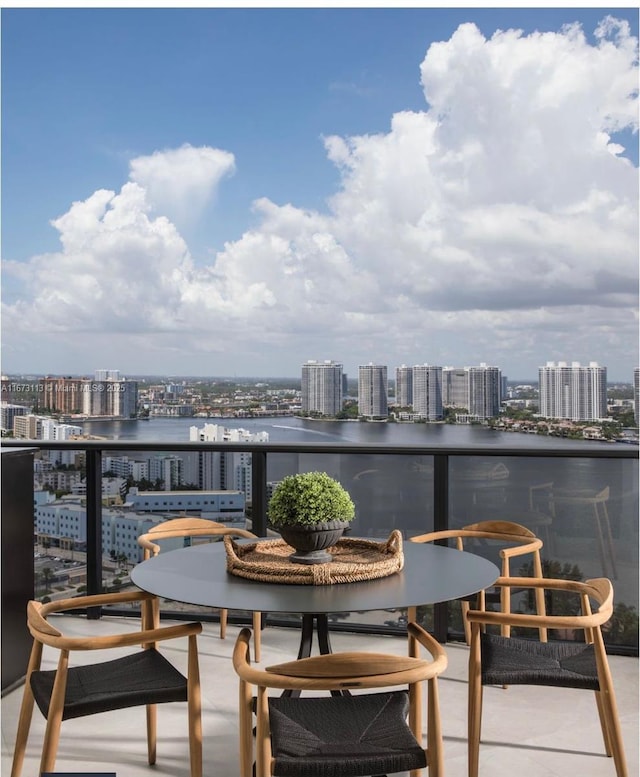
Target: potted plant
[{"x": 310, "y": 510}]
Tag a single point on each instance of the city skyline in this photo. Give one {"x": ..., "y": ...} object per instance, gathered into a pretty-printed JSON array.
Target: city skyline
[{"x": 242, "y": 190}]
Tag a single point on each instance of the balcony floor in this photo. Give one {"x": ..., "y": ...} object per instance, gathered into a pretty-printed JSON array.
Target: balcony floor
[{"x": 532, "y": 732}]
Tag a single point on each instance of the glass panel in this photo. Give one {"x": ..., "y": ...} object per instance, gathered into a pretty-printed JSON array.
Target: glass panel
[{"x": 584, "y": 510}]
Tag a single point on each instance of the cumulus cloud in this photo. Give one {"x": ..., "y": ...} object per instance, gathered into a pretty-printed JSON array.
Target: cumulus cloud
[
  {"x": 498, "y": 224},
  {"x": 179, "y": 182}
]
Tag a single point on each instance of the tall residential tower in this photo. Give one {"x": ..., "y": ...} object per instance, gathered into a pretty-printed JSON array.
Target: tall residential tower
[
  {"x": 372, "y": 391},
  {"x": 322, "y": 388},
  {"x": 573, "y": 392}
]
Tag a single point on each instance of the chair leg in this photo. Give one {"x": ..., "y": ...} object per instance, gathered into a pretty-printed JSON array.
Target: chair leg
[
  {"x": 604, "y": 724},
  {"x": 54, "y": 718},
  {"x": 415, "y": 712},
  {"x": 475, "y": 704},
  {"x": 263, "y": 744},
  {"x": 257, "y": 636},
  {"x": 610, "y": 721},
  {"x": 26, "y": 712},
  {"x": 246, "y": 732},
  {"x": 434, "y": 730},
  {"x": 152, "y": 717},
  {"x": 223, "y": 623},
  {"x": 194, "y": 700}
]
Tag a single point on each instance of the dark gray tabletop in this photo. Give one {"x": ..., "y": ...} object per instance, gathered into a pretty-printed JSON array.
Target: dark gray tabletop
[{"x": 198, "y": 575}]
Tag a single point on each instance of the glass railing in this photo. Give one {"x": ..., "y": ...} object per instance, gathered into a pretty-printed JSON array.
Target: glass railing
[{"x": 582, "y": 502}]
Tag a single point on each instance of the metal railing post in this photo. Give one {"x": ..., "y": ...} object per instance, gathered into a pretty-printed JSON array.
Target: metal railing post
[
  {"x": 441, "y": 523},
  {"x": 94, "y": 526},
  {"x": 259, "y": 493}
]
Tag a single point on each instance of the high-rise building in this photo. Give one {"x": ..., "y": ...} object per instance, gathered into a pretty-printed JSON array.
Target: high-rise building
[
  {"x": 573, "y": 392},
  {"x": 455, "y": 387},
  {"x": 168, "y": 469},
  {"x": 322, "y": 389},
  {"x": 8, "y": 412},
  {"x": 106, "y": 375},
  {"x": 218, "y": 469},
  {"x": 28, "y": 427},
  {"x": 404, "y": 386},
  {"x": 62, "y": 395},
  {"x": 485, "y": 390},
  {"x": 478, "y": 389},
  {"x": 372, "y": 391},
  {"x": 117, "y": 398},
  {"x": 113, "y": 397},
  {"x": 427, "y": 392}
]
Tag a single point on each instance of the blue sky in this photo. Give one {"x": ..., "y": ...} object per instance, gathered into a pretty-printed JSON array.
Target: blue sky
[{"x": 252, "y": 155}]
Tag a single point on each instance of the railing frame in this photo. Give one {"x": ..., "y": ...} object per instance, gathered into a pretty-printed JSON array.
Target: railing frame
[{"x": 442, "y": 456}]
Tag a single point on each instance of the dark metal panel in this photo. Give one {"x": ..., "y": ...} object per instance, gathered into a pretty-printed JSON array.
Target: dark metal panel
[{"x": 17, "y": 562}]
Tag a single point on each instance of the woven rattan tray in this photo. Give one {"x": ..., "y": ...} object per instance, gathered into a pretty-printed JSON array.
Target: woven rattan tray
[{"x": 353, "y": 560}]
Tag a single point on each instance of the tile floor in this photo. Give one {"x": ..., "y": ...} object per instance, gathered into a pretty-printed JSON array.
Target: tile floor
[{"x": 529, "y": 732}]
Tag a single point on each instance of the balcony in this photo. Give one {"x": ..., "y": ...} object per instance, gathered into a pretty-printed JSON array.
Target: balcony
[{"x": 582, "y": 501}]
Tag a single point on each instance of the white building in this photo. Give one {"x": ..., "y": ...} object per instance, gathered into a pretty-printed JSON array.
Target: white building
[
  {"x": 112, "y": 398},
  {"x": 455, "y": 387},
  {"x": 52, "y": 430},
  {"x": 106, "y": 375},
  {"x": 35, "y": 427},
  {"x": 124, "y": 467},
  {"x": 168, "y": 469},
  {"x": 373, "y": 391},
  {"x": 572, "y": 391},
  {"x": 477, "y": 389},
  {"x": 404, "y": 386},
  {"x": 220, "y": 469},
  {"x": 427, "y": 392},
  {"x": 223, "y": 506},
  {"x": 322, "y": 388},
  {"x": 485, "y": 391}
]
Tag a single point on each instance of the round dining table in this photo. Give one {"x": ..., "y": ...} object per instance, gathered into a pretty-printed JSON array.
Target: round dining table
[{"x": 198, "y": 575}]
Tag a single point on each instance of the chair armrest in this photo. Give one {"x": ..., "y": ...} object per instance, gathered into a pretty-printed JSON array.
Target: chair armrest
[
  {"x": 128, "y": 639},
  {"x": 521, "y": 550},
  {"x": 430, "y": 644}
]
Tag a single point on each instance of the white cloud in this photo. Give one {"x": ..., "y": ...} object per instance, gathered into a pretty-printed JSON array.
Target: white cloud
[
  {"x": 499, "y": 224},
  {"x": 179, "y": 182}
]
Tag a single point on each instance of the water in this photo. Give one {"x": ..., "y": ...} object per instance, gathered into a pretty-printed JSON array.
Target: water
[
  {"x": 289, "y": 429},
  {"x": 572, "y": 472}
]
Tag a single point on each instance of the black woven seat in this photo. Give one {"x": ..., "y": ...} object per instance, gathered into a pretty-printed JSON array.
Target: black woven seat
[
  {"x": 343, "y": 736},
  {"x": 143, "y": 678},
  {"x": 511, "y": 661}
]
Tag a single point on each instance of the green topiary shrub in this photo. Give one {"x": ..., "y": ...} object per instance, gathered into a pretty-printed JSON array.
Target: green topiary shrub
[{"x": 307, "y": 499}]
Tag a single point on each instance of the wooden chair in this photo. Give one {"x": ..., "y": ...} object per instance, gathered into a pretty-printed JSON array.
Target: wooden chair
[
  {"x": 514, "y": 540},
  {"x": 144, "y": 677},
  {"x": 345, "y": 734},
  {"x": 494, "y": 659},
  {"x": 198, "y": 529}
]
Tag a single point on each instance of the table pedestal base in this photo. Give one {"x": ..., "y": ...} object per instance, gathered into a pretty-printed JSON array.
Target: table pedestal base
[{"x": 321, "y": 623}]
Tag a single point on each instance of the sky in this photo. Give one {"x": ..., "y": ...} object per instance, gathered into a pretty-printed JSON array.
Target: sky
[{"x": 232, "y": 192}]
